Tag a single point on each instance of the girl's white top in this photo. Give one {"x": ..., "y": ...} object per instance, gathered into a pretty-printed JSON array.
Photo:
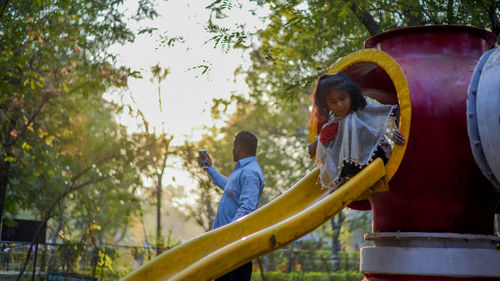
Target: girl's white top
[{"x": 359, "y": 134}]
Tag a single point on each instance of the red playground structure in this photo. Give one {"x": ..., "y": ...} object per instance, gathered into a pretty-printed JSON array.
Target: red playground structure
[{"x": 436, "y": 222}]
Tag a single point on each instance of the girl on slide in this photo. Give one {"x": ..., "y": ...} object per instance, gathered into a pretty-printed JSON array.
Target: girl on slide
[{"x": 356, "y": 132}]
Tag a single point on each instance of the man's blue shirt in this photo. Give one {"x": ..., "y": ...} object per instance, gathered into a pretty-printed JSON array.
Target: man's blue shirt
[{"x": 242, "y": 190}]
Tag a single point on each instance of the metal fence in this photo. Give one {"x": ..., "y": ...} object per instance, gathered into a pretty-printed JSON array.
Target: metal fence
[
  {"x": 291, "y": 259},
  {"x": 73, "y": 261}
]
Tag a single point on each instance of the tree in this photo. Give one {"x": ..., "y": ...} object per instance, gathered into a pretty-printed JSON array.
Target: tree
[
  {"x": 304, "y": 38},
  {"x": 91, "y": 180},
  {"x": 158, "y": 77},
  {"x": 62, "y": 153},
  {"x": 50, "y": 54}
]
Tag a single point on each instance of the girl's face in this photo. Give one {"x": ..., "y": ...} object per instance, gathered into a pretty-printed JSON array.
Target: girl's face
[{"x": 339, "y": 102}]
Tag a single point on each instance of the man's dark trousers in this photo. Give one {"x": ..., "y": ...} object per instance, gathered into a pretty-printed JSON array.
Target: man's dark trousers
[{"x": 242, "y": 273}]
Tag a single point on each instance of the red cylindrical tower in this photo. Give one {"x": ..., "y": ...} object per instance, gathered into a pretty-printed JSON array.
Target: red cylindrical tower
[
  {"x": 440, "y": 206},
  {"x": 436, "y": 222},
  {"x": 438, "y": 186}
]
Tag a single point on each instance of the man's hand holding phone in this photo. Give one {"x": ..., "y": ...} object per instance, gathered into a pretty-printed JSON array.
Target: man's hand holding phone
[{"x": 204, "y": 159}]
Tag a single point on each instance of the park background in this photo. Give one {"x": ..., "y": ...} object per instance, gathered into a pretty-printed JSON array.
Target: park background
[{"x": 104, "y": 105}]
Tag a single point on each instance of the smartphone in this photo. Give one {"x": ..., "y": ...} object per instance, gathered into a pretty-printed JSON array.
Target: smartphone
[{"x": 203, "y": 159}]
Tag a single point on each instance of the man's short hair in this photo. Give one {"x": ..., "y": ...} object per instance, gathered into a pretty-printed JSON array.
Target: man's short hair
[{"x": 247, "y": 141}]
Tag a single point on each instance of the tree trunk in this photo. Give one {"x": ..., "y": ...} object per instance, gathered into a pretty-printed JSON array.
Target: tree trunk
[
  {"x": 261, "y": 267},
  {"x": 159, "y": 238},
  {"x": 52, "y": 240},
  {"x": 4, "y": 180},
  {"x": 336, "y": 223},
  {"x": 210, "y": 209},
  {"x": 449, "y": 12},
  {"x": 9, "y": 141},
  {"x": 158, "y": 218},
  {"x": 290, "y": 258},
  {"x": 365, "y": 18}
]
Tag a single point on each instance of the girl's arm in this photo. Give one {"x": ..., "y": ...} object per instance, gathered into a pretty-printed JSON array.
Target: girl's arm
[
  {"x": 311, "y": 149},
  {"x": 397, "y": 137}
]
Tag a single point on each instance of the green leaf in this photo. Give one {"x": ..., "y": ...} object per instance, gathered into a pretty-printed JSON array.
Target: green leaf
[
  {"x": 9, "y": 159},
  {"x": 26, "y": 146}
]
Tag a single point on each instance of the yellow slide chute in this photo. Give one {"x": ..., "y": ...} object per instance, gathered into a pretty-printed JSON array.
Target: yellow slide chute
[{"x": 295, "y": 213}]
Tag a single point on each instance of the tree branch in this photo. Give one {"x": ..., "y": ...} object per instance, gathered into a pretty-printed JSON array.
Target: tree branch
[
  {"x": 365, "y": 17},
  {"x": 77, "y": 176},
  {"x": 449, "y": 12},
  {"x": 146, "y": 124}
]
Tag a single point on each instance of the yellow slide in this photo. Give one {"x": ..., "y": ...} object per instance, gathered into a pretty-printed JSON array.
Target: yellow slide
[{"x": 295, "y": 213}]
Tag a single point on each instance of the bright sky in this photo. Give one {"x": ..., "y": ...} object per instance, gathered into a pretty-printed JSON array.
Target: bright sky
[{"x": 186, "y": 94}]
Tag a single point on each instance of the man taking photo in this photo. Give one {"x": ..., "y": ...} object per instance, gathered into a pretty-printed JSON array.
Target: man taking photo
[{"x": 242, "y": 191}]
